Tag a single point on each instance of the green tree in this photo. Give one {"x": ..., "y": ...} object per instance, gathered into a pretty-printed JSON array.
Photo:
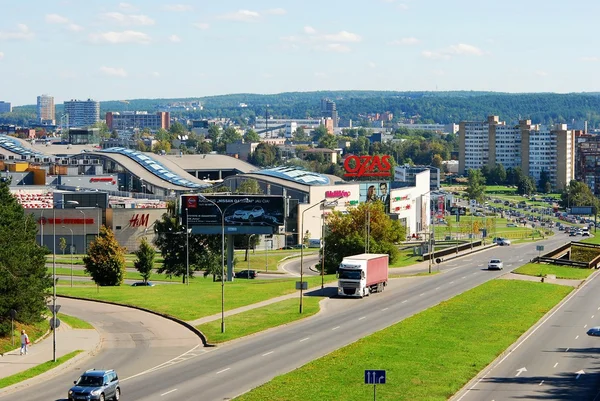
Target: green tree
[
  {"x": 105, "y": 260},
  {"x": 103, "y": 127},
  {"x": 249, "y": 187},
  {"x": 319, "y": 132},
  {"x": 24, "y": 279},
  {"x": 526, "y": 186},
  {"x": 177, "y": 129},
  {"x": 475, "y": 185},
  {"x": 230, "y": 135},
  {"x": 436, "y": 161},
  {"x": 578, "y": 194},
  {"x": 264, "y": 155},
  {"x": 544, "y": 181},
  {"x": 161, "y": 146},
  {"x": 251, "y": 136},
  {"x": 328, "y": 141},
  {"x": 145, "y": 259},
  {"x": 300, "y": 135},
  {"x": 497, "y": 175},
  {"x": 62, "y": 244}
]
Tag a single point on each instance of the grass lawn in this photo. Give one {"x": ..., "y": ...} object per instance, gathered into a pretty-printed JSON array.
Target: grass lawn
[
  {"x": 74, "y": 322},
  {"x": 65, "y": 271},
  {"x": 543, "y": 269},
  {"x": 257, "y": 320},
  {"x": 34, "y": 332},
  {"x": 422, "y": 361},
  {"x": 593, "y": 240},
  {"x": 406, "y": 259},
  {"x": 201, "y": 298},
  {"x": 35, "y": 371}
]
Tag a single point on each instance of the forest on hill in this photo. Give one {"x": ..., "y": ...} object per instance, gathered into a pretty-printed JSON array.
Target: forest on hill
[{"x": 422, "y": 107}]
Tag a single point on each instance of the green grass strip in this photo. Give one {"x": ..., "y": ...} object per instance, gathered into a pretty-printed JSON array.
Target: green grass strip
[
  {"x": 429, "y": 356},
  {"x": 565, "y": 272},
  {"x": 259, "y": 319},
  {"x": 35, "y": 371},
  {"x": 75, "y": 322}
]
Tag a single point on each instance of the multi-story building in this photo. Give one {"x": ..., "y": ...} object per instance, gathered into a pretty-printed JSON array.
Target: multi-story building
[
  {"x": 82, "y": 113},
  {"x": 328, "y": 110},
  {"x": 5, "y": 107},
  {"x": 406, "y": 176},
  {"x": 45, "y": 110},
  {"x": 533, "y": 148},
  {"x": 130, "y": 120},
  {"x": 587, "y": 160}
]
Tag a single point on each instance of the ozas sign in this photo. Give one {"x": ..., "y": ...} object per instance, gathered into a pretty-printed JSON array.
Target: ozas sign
[
  {"x": 367, "y": 166},
  {"x": 139, "y": 220}
]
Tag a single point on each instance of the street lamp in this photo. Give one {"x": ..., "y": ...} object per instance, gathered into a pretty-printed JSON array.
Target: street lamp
[
  {"x": 187, "y": 247},
  {"x": 70, "y": 229},
  {"x": 249, "y": 238},
  {"x": 84, "y": 235},
  {"x": 62, "y": 202},
  {"x": 42, "y": 224}
]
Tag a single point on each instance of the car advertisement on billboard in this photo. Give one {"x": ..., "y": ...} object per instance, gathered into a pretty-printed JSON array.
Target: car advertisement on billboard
[{"x": 242, "y": 214}]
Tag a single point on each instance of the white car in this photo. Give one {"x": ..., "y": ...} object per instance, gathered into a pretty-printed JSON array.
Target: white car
[
  {"x": 495, "y": 264},
  {"x": 249, "y": 213}
]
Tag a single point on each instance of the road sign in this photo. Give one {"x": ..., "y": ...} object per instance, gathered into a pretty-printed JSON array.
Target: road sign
[
  {"x": 54, "y": 323},
  {"x": 374, "y": 376},
  {"x": 539, "y": 248},
  {"x": 51, "y": 310},
  {"x": 473, "y": 202},
  {"x": 13, "y": 314},
  {"x": 302, "y": 285}
]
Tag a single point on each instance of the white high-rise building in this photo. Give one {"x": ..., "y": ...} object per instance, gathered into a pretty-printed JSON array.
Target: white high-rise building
[
  {"x": 46, "y": 110},
  {"x": 82, "y": 113}
]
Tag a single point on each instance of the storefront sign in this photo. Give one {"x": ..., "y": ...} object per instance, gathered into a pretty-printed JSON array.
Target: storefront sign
[
  {"x": 337, "y": 194},
  {"x": 139, "y": 220},
  {"x": 45, "y": 221},
  {"x": 367, "y": 166},
  {"x": 103, "y": 179}
]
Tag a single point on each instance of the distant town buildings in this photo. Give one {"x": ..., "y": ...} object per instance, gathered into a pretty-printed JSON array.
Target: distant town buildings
[
  {"x": 439, "y": 128},
  {"x": 533, "y": 147},
  {"x": 587, "y": 160},
  {"x": 46, "y": 110},
  {"x": 131, "y": 120},
  {"x": 328, "y": 110},
  {"x": 82, "y": 113},
  {"x": 5, "y": 107}
]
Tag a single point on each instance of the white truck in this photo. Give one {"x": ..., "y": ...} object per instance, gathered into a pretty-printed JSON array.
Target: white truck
[{"x": 360, "y": 275}]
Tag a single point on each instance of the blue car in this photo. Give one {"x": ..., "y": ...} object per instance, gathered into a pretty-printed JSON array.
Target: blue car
[{"x": 95, "y": 384}]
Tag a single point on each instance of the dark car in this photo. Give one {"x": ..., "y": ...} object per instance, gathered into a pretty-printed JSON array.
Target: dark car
[
  {"x": 286, "y": 247},
  {"x": 246, "y": 274},
  {"x": 142, "y": 284},
  {"x": 96, "y": 385},
  {"x": 594, "y": 331}
]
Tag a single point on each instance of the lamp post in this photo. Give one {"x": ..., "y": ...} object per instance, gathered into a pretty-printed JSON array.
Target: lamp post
[
  {"x": 84, "y": 234},
  {"x": 70, "y": 229},
  {"x": 54, "y": 272},
  {"x": 42, "y": 224},
  {"x": 249, "y": 237},
  {"x": 99, "y": 221},
  {"x": 187, "y": 247}
]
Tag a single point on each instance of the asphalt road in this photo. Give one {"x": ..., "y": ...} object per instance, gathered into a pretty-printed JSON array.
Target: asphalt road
[
  {"x": 292, "y": 266},
  {"x": 132, "y": 342}
]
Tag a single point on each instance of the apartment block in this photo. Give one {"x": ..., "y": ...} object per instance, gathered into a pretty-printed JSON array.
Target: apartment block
[
  {"x": 131, "y": 120},
  {"x": 5, "y": 107},
  {"x": 587, "y": 160},
  {"x": 45, "y": 110},
  {"x": 82, "y": 113},
  {"x": 534, "y": 148}
]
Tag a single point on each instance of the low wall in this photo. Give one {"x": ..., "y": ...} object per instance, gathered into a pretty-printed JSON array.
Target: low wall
[{"x": 453, "y": 250}]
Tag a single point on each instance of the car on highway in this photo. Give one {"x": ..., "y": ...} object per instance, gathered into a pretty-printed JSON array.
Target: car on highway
[
  {"x": 495, "y": 264},
  {"x": 594, "y": 331},
  {"x": 246, "y": 274},
  {"x": 502, "y": 241},
  {"x": 143, "y": 284},
  {"x": 249, "y": 213},
  {"x": 95, "y": 384}
]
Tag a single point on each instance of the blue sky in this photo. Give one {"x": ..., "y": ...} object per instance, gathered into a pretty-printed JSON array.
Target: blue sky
[{"x": 110, "y": 50}]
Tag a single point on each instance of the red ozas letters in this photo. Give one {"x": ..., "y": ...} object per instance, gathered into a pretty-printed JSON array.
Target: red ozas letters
[{"x": 367, "y": 166}]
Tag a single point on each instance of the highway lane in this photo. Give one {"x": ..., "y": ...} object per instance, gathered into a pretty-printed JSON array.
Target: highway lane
[
  {"x": 132, "y": 341},
  {"x": 235, "y": 368},
  {"x": 555, "y": 361}
]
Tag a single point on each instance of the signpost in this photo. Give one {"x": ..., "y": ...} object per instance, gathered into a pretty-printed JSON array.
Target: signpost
[
  {"x": 540, "y": 249},
  {"x": 13, "y": 316},
  {"x": 374, "y": 377},
  {"x": 302, "y": 285}
]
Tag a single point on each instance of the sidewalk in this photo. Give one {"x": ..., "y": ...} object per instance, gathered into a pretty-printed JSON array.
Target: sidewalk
[{"x": 67, "y": 340}]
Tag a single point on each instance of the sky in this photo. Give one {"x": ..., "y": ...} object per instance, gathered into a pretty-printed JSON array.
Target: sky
[{"x": 111, "y": 50}]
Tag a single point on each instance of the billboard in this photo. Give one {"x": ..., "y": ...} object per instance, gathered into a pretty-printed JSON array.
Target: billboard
[
  {"x": 582, "y": 210},
  {"x": 242, "y": 214},
  {"x": 376, "y": 190}
]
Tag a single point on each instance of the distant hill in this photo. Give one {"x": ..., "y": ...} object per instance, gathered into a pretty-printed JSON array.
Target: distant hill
[{"x": 439, "y": 107}]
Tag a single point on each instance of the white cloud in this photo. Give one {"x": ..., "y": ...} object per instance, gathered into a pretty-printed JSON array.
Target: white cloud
[
  {"x": 404, "y": 42},
  {"x": 120, "y": 37},
  {"x": 127, "y": 7},
  {"x": 460, "y": 49},
  {"x": 541, "y": 73},
  {"x": 402, "y": 7},
  {"x": 343, "y": 36},
  {"x": 1, "y": 55},
  {"x": 336, "y": 47},
  {"x": 174, "y": 38},
  {"x": 113, "y": 72},
  {"x": 371, "y": 64},
  {"x": 177, "y": 7},
  {"x": 310, "y": 30},
  {"x": 56, "y": 19},
  {"x": 276, "y": 11},
  {"x": 434, "y": 55},
  {"x": 241, "y": 15},
  {"x": 202, "y": 25},
  {"x": 590, "y": 59},
  {"x": 22, "y": 33},
  {"x": 127, "y": 20},
  {"x": 439, "y": 73},
  {"x": 74, "y": 27}
]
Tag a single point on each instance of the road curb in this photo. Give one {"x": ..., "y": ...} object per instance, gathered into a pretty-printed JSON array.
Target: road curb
[{"x": 166, "y": 316}]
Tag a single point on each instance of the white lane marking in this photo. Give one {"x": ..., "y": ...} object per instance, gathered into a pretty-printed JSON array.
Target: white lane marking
[
  {"x": 173, "y": 361},
  {"x": 585, "y": 326},
  {"x": 361, "y": 318},
  {"x": 520, "y": 260},
  {"x": 519, "y": 371},
  {"x": 268, "y": 353},
  {"x": 542, "y": 382},
  {"x": 168, "y": 392},
  {"x": 224, "y": 370},
  {"x": 567, "y": 350},
  {"x": 576, "y": 337},
  {"x": 335, "y": 328},
  {"x": 464, "y": 277},
  {"x": 452, "y": 282},
  {"x": 593, "y": 316},
  {"x": 556, "y": 364},
  {"x": 566, "y": 301},
  {"x": 437, "y": 288},
  {"x": 421, "y": 294},
  {"x": 405, "y": 301},
  {"x": 304, "y": 339},
  {"x": 384, "y": 309},
  {"x": 480, "y": 265}
]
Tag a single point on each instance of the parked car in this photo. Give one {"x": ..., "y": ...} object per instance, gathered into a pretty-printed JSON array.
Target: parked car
[
  {"x": 585, "y": 234},
  {"x": 286, "y": 247},
  {"x": 96, "y": 385},
  {"x": 495, "y": 264},
  {"x": 511, "y": 225},
  {"x": 142, "y": 284},
  {"x": 246, "y": 274},
  {"x": 300, "y": 246}
]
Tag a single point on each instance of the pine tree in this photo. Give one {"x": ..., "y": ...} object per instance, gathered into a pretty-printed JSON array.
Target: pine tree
[
  {"x": 24, "y": 280},
  {"x": 105, "y": 260}
]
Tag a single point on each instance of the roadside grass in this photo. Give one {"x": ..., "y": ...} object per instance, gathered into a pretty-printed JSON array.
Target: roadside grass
[
  {"x": 593, "y": 240},
  {"x": 201, "y": 298},
  {"x": 406, "y": 259},
  {"x": 75, "y": 322},
  {"x": 423, "y": 362},
  {"x": 34, "y": 331},
  {"x": 65, "y": 271},
  {"x": 37, "y": 370},
  {"x": 543, "y": 269},
  {"x": 260, "y": 319}
]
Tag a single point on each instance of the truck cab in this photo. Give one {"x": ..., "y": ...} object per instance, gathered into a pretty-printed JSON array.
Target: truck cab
[{"x": 361, "y": 275}]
